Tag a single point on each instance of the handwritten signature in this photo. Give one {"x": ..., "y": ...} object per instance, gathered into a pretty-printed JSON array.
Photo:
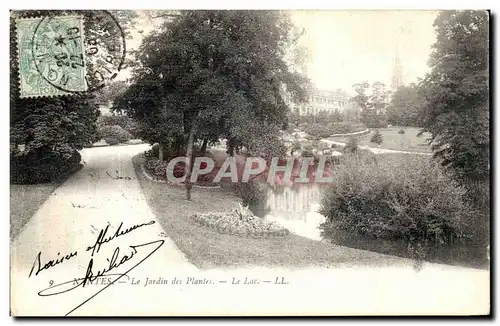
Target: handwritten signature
[{"x": 91, "y": 274}]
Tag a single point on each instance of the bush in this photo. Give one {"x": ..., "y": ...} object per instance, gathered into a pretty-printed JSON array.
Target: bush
[
  {"x": 296, "y": 146},
  {"x": 377, "y": 138},
  {"x": 115, "y": 132},
  {"x": 127, "y": 123},
  {"x": 307, "y": 153},
  {"x": 43, "y": 166},
  {"x": 111, "y": 141},
  {"x": 351, "y": 146},
  {"x": 253, "y": 195},
  {"x": 325, "y": 130},
  {"x": 401, "y": 131},
  {"x": 374, "y": 120},
  {"x": 318, "y": 130},
  {"x": 157, "y": 168},
  {"x": 346, "y": 127},
  {"x": 410, "y": 199}
]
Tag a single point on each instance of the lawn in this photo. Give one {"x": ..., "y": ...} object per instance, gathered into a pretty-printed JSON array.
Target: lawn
[
  {"x": 393, "y": 140},
  {"x": 26, "y": 199},
  {"x": 206, "y": 248},
  {"x": 24, "y": 202}
]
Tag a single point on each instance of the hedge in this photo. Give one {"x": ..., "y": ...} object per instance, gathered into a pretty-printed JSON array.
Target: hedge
[{"x": 409, "y": 198}]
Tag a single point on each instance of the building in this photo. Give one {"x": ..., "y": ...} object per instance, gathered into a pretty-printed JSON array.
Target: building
[
  {"x": 320, "y": 101},
  {"x": 397, "y": 73}
]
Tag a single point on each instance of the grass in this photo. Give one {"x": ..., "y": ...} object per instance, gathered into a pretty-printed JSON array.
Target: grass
[
  {"x": 25, "y": 200},
  {"x": 393, "y": 140},
  {"x": 206, "y": 248}
]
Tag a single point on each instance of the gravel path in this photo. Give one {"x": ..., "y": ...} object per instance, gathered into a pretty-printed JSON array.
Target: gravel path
[
  {"x": 375, "y": 150},
  {"x": 105, "y": 192}
]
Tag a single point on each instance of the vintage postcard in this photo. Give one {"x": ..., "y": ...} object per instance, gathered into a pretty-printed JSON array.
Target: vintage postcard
[{"x": 249, "y": 163}]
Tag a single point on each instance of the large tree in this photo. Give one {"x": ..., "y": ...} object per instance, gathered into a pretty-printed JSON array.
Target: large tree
[
  {"x": 113, "y": 91},
  {"x": 206, "y": 75},
  {"x": 404, "y": 109},
  {"x": 372, "y": 106},
  {"x": 456, "y": 108}
]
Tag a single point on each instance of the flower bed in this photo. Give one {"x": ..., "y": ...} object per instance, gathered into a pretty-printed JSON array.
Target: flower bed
[{"x": 241, "y": 222}]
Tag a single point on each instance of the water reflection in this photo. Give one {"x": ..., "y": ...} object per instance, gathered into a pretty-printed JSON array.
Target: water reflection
[{"x": 295, "y": 208}]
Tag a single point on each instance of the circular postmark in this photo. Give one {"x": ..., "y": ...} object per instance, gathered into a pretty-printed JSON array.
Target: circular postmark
[{"x": 79, "y": 53}]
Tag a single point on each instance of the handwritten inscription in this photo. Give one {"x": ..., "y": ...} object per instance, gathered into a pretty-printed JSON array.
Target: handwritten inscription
[
  {"x": 51, "y": 263},
  {"x": 101, "y": 239},
  {"x": 135, "y": 253}
]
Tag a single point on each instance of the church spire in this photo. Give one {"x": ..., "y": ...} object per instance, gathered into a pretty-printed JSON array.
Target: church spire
[{"x": 397, "y": 72}]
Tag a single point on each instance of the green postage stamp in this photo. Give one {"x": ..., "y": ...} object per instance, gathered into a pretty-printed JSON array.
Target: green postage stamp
[{"x": 51, "y": 56}]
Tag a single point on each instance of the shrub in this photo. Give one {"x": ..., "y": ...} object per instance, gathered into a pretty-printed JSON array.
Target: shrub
[
  {"x": 252, "y": 195},
  {"x": 111, "y": 141},
  {"x": 296, "y": 146},
  {"x": 346, "y": 127},
  {"x": 351, "y": 146},
  {"x": 41, "y": 167},
  {"x": 377, "y": 138},
  {"x": 401, "y": 131},
  {"x": 478, "y": 195},
  {"x": 307, "y": 153},
  {"x": 318, "y": 130},
  {"x": 115, "y": 131},
  {"x": 157, "y": 168},
  {"x": 410, "y": 199},
  {"x": 127, "y": 123}
]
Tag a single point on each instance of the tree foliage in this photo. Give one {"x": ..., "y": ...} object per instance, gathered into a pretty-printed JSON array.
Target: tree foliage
[
  {"x": 111, "y": 92},
  {"x": 373, "y": 106},
  {"x": 322, "y": 117},
  {"x": 405, "y": 106},
  {"x": 46, "y": 132},
  {"x": 456, "y": 107},
  {"x": 206, "y": 75},
  {"x": 377, "y": 138},
  {"x": 44, "y": 129}
]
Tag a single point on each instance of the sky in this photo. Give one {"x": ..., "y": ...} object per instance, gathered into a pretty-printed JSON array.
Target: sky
[{"x": 346, "y": 47}]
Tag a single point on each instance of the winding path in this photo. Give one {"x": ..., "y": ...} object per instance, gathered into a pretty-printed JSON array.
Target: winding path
[
  {"x": 106, "y": 192},
  {"x": 375, "y": 150}
]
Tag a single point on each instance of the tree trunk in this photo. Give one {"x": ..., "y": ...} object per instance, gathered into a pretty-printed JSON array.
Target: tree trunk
[
  {"x": 230, "y": 147},
  {"x": 204, "y": 147},
  {"x": 160, "y": 152},
  {"x": 189, "y": 156}
]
